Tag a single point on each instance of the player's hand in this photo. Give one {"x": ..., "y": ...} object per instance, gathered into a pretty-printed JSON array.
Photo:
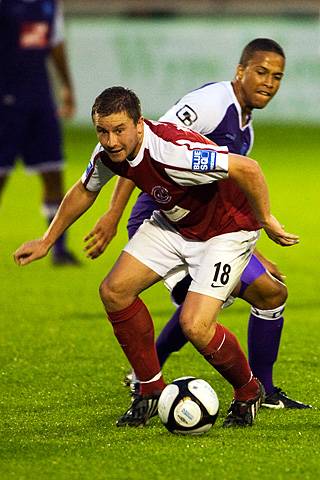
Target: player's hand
[
  {"x": 67, "y": 108},
  {"x": 274, "y": 270},
  {"x": 30, "y": 251},
  {"x": 270, "y": 266},
  {"x": 101, "y": 235},
  {"x": 277, "y": 234}
]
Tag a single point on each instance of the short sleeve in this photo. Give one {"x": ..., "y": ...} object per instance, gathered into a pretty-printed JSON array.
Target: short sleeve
[
  {"x": 96, "y": 174},
  {"x": 58, "y": 26},
  {"x": 201, "y": 110}
]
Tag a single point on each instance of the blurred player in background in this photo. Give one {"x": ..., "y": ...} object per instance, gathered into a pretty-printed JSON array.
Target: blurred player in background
[
  {"x": 31, "y": 32},
  {"x": 202, "y": 224},
  {"x": 222, "y": 112}
]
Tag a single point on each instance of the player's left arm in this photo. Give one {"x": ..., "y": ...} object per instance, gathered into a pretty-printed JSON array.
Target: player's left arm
[
  {"x": 249, "y": 176},
  {"x": 60, "y": 62}
]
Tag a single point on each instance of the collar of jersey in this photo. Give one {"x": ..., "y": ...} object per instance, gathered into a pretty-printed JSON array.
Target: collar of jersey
[{"x": 238, "y": 107}]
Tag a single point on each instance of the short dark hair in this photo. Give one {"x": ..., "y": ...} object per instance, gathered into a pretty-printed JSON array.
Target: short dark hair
[
  {"x": 116, "y": 100},
  {"x": 260, "y": 45}
]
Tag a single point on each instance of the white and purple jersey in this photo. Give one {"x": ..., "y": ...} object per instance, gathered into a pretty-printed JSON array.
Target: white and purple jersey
[
  {"x": 214, "y": 111},
  {"x": 28, "y": 31},
  {"x": 179, "y": 169}
]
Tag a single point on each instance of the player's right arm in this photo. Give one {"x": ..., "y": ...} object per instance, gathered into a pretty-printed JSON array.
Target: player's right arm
[
  {"x": 77, "y": 200},
  {"x": 59, "y": 58},
  {"x": 106, "y": 227}
]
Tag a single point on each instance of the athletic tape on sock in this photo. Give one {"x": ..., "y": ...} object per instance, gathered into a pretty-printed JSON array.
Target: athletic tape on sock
[
  {"x": 154, "y": 379},
  {"x": 273, "y": 314},
  {"x": 49, "y": 209}
]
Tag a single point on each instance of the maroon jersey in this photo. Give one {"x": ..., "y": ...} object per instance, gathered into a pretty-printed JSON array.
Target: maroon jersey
[{"x": 179, "y": 168}]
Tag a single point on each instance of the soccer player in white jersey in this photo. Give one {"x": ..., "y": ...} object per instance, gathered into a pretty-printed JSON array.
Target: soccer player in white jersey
[
  {"x": 222, "y": 111},
  {"x": 204, "y": 226}
]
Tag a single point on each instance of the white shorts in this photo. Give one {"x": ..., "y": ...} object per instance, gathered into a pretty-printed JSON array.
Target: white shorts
[{"x": 215, "y": 265}]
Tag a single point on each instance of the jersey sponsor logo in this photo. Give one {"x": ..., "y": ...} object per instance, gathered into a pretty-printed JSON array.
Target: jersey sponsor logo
[
  {"x": 161, "y": 194},
  {"x": 187, "y": 115},
  {"x": 203, "y": 160},
  {"x": 34, "y": 35}
]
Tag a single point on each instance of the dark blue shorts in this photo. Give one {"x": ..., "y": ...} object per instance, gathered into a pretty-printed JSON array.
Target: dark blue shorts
[
  {"x": 33, "y": 135},
  {"x": 143, "y": 209}
]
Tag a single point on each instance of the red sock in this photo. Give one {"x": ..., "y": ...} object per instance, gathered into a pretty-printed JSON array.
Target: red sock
[
  {"x": 134, "y": 330},
  {"x": 225, "y": 354}
]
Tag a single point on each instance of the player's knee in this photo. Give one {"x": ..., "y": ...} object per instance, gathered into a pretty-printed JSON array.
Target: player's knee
[
  {"x": 190, "y": 326},
  {"x": 277, "y": 296},
  {"x": 104, "y": 291},
  {"x": 111, "y": 294},
  {"x": 270, "y": 297}
]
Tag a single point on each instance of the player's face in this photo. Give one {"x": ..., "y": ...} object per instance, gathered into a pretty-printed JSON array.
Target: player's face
[
  {"x": 260, "y": 79},
  {"x": 119, "y": 135}
]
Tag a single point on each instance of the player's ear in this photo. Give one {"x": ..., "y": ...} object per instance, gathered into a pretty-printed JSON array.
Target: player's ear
[
  {"x": 239, "y": 72},
  {"x": 140, "y": 125}
]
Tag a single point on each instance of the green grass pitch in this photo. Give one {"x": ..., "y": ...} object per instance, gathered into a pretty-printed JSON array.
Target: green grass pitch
[{"x": 61, "y": 368}]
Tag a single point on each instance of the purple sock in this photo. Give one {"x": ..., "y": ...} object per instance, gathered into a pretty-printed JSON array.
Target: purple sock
[
  {"x": 263, "y": 346},
  {"x": 171, "y": 338}
]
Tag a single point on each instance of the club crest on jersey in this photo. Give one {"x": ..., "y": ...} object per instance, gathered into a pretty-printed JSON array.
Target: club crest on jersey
[
  {"x": 161, "y": 194},
  {"x": 34, "y": 35},
  {"x": 203, "y": 160}
]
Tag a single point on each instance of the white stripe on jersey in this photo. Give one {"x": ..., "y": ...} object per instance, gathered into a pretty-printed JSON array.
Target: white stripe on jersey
[
  {"x": 176, "y": 157},
  {"x": 171, "y": 154},
  {"x": 188, "y": 179}
]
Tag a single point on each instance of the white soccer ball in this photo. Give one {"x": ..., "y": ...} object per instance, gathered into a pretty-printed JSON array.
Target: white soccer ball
[{"x": 188, "y": 405}]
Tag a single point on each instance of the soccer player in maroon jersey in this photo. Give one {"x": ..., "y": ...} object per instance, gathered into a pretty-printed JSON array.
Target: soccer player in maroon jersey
[
  {"x": 203, "y": 226},
  {"x": 223, "y": 112}
]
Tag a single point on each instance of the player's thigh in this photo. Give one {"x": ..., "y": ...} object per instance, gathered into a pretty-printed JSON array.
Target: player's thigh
[
  {"x": 265, "y": 292},
  {"x": 128, "y": 278},
  {"x": 216, "y": 270},
  {"x": 253, "y": 270},
  {"x": 157, "y": 247}
]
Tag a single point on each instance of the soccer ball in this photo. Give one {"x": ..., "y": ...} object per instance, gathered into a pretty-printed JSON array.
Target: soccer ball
[{"x": 188, "y": 405}]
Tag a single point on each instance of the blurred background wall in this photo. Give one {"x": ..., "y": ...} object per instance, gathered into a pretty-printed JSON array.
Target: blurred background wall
[{"x": 162, "y": 49}]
